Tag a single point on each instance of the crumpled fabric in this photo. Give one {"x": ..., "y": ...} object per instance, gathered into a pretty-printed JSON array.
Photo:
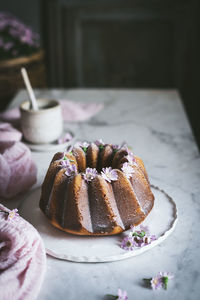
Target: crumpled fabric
[
  {"x": 72, "y": 111},
  {"x": 22, "y": 258},
  {"x": 18, "y": 172}
]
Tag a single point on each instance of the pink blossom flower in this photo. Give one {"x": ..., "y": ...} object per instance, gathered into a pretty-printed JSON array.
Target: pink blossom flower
[
  {"x": 99, "y": 142},
  {"x": 90, "y": 174},
  {"x": 65, "y": 163},
  {"x": 131, "y": 159},
  {"x": 66, "y": 138},
  {"x": 12, "y": 214},
  {"x": 145, "y": 229},
  {"x": 128, "y": 243},
  {"x": 156, "y": 283},
  {"x": 127, "y": 170},
  {"x": 166, "y": 274},
  {"x": 159, "y": 281},
  {"x": 8, "y": 46},
  {"x": 83, "y": 145},
  {"x": 116, "y": 147},
  {"x": 109, "y": 174},
  {"x": 122, "y": 295}
]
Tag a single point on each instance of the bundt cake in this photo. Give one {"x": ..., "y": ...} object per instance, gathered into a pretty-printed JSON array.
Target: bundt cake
[{"x": 96, "y": 189}]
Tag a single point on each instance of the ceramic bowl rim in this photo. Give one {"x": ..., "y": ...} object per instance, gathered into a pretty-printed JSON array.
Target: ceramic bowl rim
[{"x": 55, "y": 104}]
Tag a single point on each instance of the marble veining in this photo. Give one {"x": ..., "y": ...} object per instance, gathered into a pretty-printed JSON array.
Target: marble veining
[{"x": 154, "y": 124}]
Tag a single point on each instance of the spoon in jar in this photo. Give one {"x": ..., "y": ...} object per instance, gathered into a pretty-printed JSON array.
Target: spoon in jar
[{"x": 29, "y": 89}]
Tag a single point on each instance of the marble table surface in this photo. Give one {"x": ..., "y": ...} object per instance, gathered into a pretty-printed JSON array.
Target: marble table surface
[{"x": 154, "y": 124}]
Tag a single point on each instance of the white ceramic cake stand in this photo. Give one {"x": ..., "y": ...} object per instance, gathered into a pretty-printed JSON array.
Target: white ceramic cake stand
[{"x": 161, "y": 221}]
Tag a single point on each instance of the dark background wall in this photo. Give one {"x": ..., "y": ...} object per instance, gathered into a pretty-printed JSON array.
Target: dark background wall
[
  {"x": 75, "y": 32},
  {"x": 26, "y": 10}
]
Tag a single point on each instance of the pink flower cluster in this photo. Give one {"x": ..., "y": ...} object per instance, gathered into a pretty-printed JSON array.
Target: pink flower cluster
[
  {"x": 65, "y": 138},
  {"x": 16, "y": 39},
  {"x": 137, "y": 239}
]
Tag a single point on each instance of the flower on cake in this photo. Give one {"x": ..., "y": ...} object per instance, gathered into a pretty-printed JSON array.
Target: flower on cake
[
  {"x": 99, "y": 142},
  {"x": 90, "y": 173},
  {"x": 116, "y": 147},
  {"x": 81, "y": 144},
  {"x": 127, "y": 170},
  {"x": 156, "y": 283},
  {"x": 122, "y": 295},
  {"x": 159, "y": 281},
  {"x": 84, "y": 146},
  {"x": 65, "y": 162},
  {"x": 131, "y": 159},
  {"x": 69, "y": 149},
  {"x": 109, "y": 174},
  {"x": 71, "y": 170}
]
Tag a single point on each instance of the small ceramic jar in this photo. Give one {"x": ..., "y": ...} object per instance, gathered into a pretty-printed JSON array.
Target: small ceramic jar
[{"x": 44, "y": 125}]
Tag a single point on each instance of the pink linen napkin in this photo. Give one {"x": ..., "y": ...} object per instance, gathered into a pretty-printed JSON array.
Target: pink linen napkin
[
  {"x": 22, "y": 258},
  {"x": 17, "y": 169},
  {"x": 8, "y": 135},
  {"x": 72, "y": 112},
  {"x": 79, "y": 111}
]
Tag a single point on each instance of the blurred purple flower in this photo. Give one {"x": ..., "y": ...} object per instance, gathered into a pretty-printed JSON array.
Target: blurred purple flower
[
  {"x": 166, "y": 274},
  {"x": 99, "y": 142},
  {"x": 13, "y": 214},
  {"x": 130, "y": 157},
  {"x": 16, "y": 35},
  {"x": 65, "y": 138},
  {"x": 81, "y": 144},
  {"x": 122, "y": 295},
  {"x": 8, "y": 46},
  {"x": 115, "y": 146}
]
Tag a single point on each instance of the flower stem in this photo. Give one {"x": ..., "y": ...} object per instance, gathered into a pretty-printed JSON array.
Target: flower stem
[
  {"x": 111, "y": 296},
  {"x": 5, "y": 212},
  {"x": 165, "y": 282}
]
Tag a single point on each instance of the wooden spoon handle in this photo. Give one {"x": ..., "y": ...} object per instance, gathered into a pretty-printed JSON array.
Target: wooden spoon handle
[{"x": 29, "y": 89}]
